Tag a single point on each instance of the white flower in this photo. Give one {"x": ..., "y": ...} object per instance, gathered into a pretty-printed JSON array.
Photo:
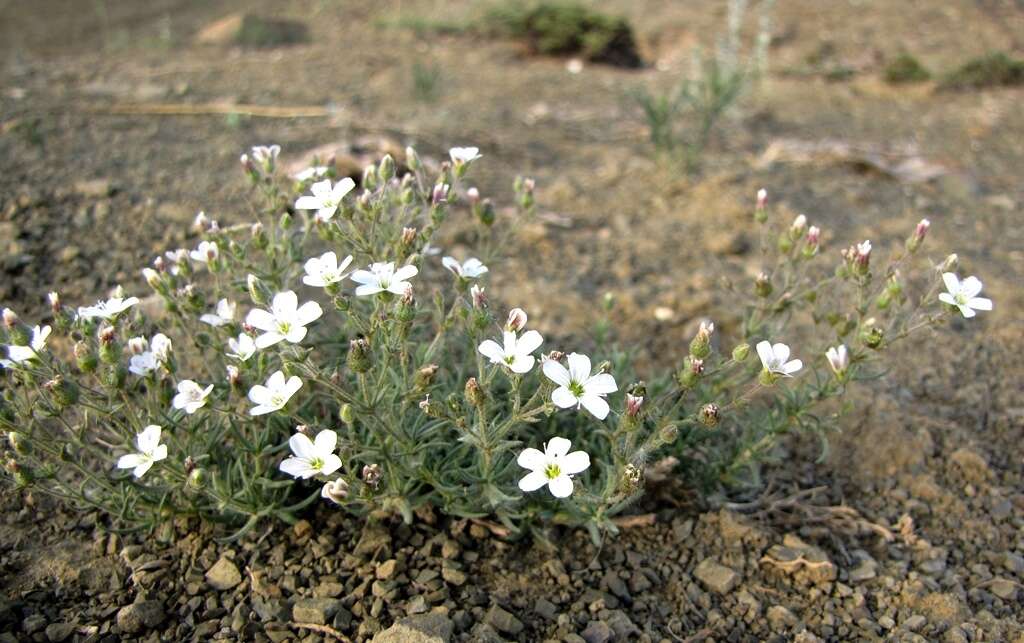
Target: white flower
[
  {"x": 325, "y": 199},
  {"x": 149, "y": 360},
  {"x": 515, "y": 354},
  {"x": 774, "y": 357},
  {"x": 223, "y": 314},
  {"x": 577, "y": 387},
  {"x": 242, "y": 348},
  {"x": 266, "y": 154},
  {"x": 150, "y": 451},
  {"x": 324, "y": 270},
  {"x": 964, "y": 294},
  {"x": 286, "y": 320},
  {"x": 469, "y": 269},
  {"x": 274, "y": 395},
  {"x": 191, "y": 397},
  {"x": 552, "y": 467},
  {"x": 312, "y": 457},
  {"x": 108, "y": 309},
  {"x": 838, "y": 358},
  {"x": 206, "y": 251},
  {"x": 383, "y": 277},
  {"x": 21, "y": 354},
  {"x": 314, "y": 172},
  {"x": 461, "y": 155}
]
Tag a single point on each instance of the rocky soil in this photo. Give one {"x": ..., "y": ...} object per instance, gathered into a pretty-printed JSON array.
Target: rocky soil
[{"x": 912, "y": 527}]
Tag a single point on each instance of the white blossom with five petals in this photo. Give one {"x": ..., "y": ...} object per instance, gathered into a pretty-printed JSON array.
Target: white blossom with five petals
[
  {"x": 191, "y": 397},
  {"x": 577, "y": 387},
  {"x": 963, "y": 295},
  {"x": 469, "y": 269},
  {"x": 324, "y": 270},
  {"x": 274, "y": 395},
  {"x": 312, "y": 457},
  {"x": 382, "y": 277},
  {"x": 150, "y": 451},
  {"x": 149, "y": 360},
  {"x": 108, "y": 309},
  {"x": 553, "y": 467},
  {"x": 241, "y": 348},
  {"x": 775, "y": 359},
  {"x": 326, "y": 198},
  {"x": 21, "y": 354},
  {"x": 285, "y": 320},
  {"x": 223, "y": 314},
  {"x": 461, "y": 155},
  {"x": 515, "y": 354}
]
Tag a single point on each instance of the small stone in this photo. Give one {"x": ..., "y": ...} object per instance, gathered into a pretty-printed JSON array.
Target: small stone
[
  {"x": 387, "y": 569},
  {"x": 972, "y": 465},
  {"x": 781, "y": 618},
  {"x": 547, "y": 609},
  {"x": 1003, "y": 588},
  {"x": 597, "y": 632},
  {"x": 503, "y": 621},
  {"x": 57, "y": 632},
  {"x": 454, "y": 576},
  {"x": 94, "y": 188},
  {"x": 318, "y": 611},
  {"x": 864, "y": 571},
  {"x": 914, "y": 623},
  {"x": 451, "y": 549},
  {"x": 422, "y": 628},
  {"x": 302, "y": 529},
  {"x": 223, "y": 575},
  {"x": 34, "y": 623},
  {"x": 1014, "y": 563},
  {"x": 717, "y": 578},
  {"x": 136, "y": 617}
]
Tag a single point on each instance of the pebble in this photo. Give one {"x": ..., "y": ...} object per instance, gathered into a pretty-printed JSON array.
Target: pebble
[
  {"x": 781, "y": 618},
  {"x": 387, "y": 569},
  {"x": 717, "y": 578},
  {"x": 422, "y": 628},
  {"x": 503, "y": 621},
  {"x": 319, "y": 611},
  {"x": 1003, "y": 588},
  {"x": 223, "y": 575},
  {"x": 139, "y": 616},
  {"x": 597, "y": 632},
  {"x": 57, "y": 632}
]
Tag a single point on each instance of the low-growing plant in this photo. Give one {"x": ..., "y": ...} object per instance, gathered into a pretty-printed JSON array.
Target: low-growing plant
[
  {"x": 426, "y": 81},
  {"x": 905, "y": 69},
  {"x": 682, "y": 119},
  {"x": 995, "y": 69},
  {"x": 369, "y": 372}
]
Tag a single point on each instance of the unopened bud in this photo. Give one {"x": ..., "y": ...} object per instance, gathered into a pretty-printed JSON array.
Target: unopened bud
[
  {"x": 556, "y": 356},
  {"x": 668, "y": 433},
  {"x": 234, "y": 376},
  {"x": 424, "y": 377},
  {"x": 763, "y": 285},
  {"x": 386, "y": 169},
  {"x": 872, "y": 336},
  {"x": 486, "y": 212},
  {"x": 408, "y": 236},
  {"x": 359, "y": 355},
  {"x": 632, "y": 478},
  {"x": 796, "y": 229},
  {"x": 633, "y": 404},
  {"x": 152, "y": 277},
  {"x": 85, "y": 358},
  {"x": 19, "y": 443},
  {"x": 10, "y": 318},
  {"x": 950, "y": 263},
  {"x": 412, "y": 160},
  {"x": 137, "y": 345},
  {"x": 369, "y": 179},
  {"x": 197, "y": 478},
  {"x": 760, "y": 210},
  {"x": 54, "y": 300},
  {"x": 303, "y": 429},
  {"x": 479, "y": 299},
  {"x": 700, "y": 347},
  {"x": 439, "y": 194},
  {"x": 813, "y": 241},
  {"x": 740, "y": 353},
  {"x": 474, "y": 394},
  {"x": 258, "y": 291},
  {"x": 200, "y": 223},
  {"x": 473, "y": 196},
  {"x": 516, "y": 320}
]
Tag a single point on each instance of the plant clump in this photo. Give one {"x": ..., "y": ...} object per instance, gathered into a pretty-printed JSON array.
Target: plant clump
[
  {"x": 329, "y": 352},
  {"x": 995, "y": 69},
  {"x": 905, "y": 69},
  {"x": 569, "y": 29}
]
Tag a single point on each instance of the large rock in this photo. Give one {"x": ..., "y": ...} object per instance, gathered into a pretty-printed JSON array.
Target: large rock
[{"x": 423, "y": 628}]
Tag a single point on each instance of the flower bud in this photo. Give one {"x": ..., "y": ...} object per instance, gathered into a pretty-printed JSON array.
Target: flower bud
[
  {"x": 372, "y": 475},
  {"x": 813, "y": 241},
  {"x": 690, "y": 373},
  {"x": 950, "y": 263},
  {"x": 710, "y": 415},
  {"x": 872, "y": 336},
  {"x": 412, "y": 160},
  {"x": 862, "y": 257},
  {"x": 763, "y": 285},
  {"x": 838, "y": 359},
  {"x": 19, "y": 443},
  {"x": 439, "y": 195},
  {"x": 335, "y": 490},
  {"x": 474, "y": 394},
  {"x": 85, "y": 358},
  {"x": 197, "y": 478},
  {"x": 285, "y": 221},
  {"x": 408, "y": 236},
  {"x": 556, "y": 356},
  {"x": 486, "y": 214},
  {"x": 234, "y": 376},
  {"x": 739, "y": 354},
  {"x": 138, "y": 345},
  {"x": 189, "y": 464},
  {"x": 920, "y": 232},
  {"x": 668, "y": 433},
  {"x": 796, "y": 229},
  {"x": 359, "y": 355},
  {"x": 700, "y": 347},
  {"x": 516, "y": 320},
  {"x": 386, "y": 169},
  {"x": 405, "y": 309},
  {"x": 424, "y": 377},
  {"x": 633, "y": 404},
  {"x": 54, "y": 298},
  {"x": 258, "y": 291},
  {"x": 473, "y": 196},
  {"x": 760, "y": 210},
  {"x": 201, "y": 222},
  {"x": 10, "y": 318},
  {"x": 477, "y": 296},
  {"x": 369, "y": 179},
  {"x": 346, "y": 414}
]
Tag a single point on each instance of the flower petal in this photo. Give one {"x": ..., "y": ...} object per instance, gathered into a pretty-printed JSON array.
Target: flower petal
[
  {"x": 575, "y": 462},
  {"x": 952, "y": 282},
  {"x": 579, "y": 367},
  {"x": 284, "y": 304},
  {"x": 596, "y": 405},
  {"x": 781, "y": 352},
  {"x": 302, "y": 446},
  {"x": 764, "y": 351},
  {"x": 980, "y": 303},
  {"x": 325, "y": 441},
  {"x": 529, "y": 342},
  {"x": 309, "y": 312},
  {"x": 556, "y": 372},
  {"x": 601, "y": 384},
  {"x": 557, "y": 447},
  {"x": 405, "y": 272},
  {"x": 129, "y": 461},
  {"x": 261, "y": 319},
  {"x": 296, "y": 467},
  {"x": 563, "y": 398},
  {"x": 531, "y": 458},
  {"x": 490, "y": 349},
  {"x": 561, "y": 487},
  {"x": 331, "y": 464},
  {"x": 533, "y": 481}
]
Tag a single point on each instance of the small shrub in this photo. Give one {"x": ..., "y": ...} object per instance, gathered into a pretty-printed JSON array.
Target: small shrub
[
  {"x": 562, "y": 29},
  {"x": 426, "y": 81},
  {"x": 258, "y": 32},
  {"x": 906, "y": 69},
  {"x": 371, "y": 374},
  {"x": 995, "y": 69}
]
